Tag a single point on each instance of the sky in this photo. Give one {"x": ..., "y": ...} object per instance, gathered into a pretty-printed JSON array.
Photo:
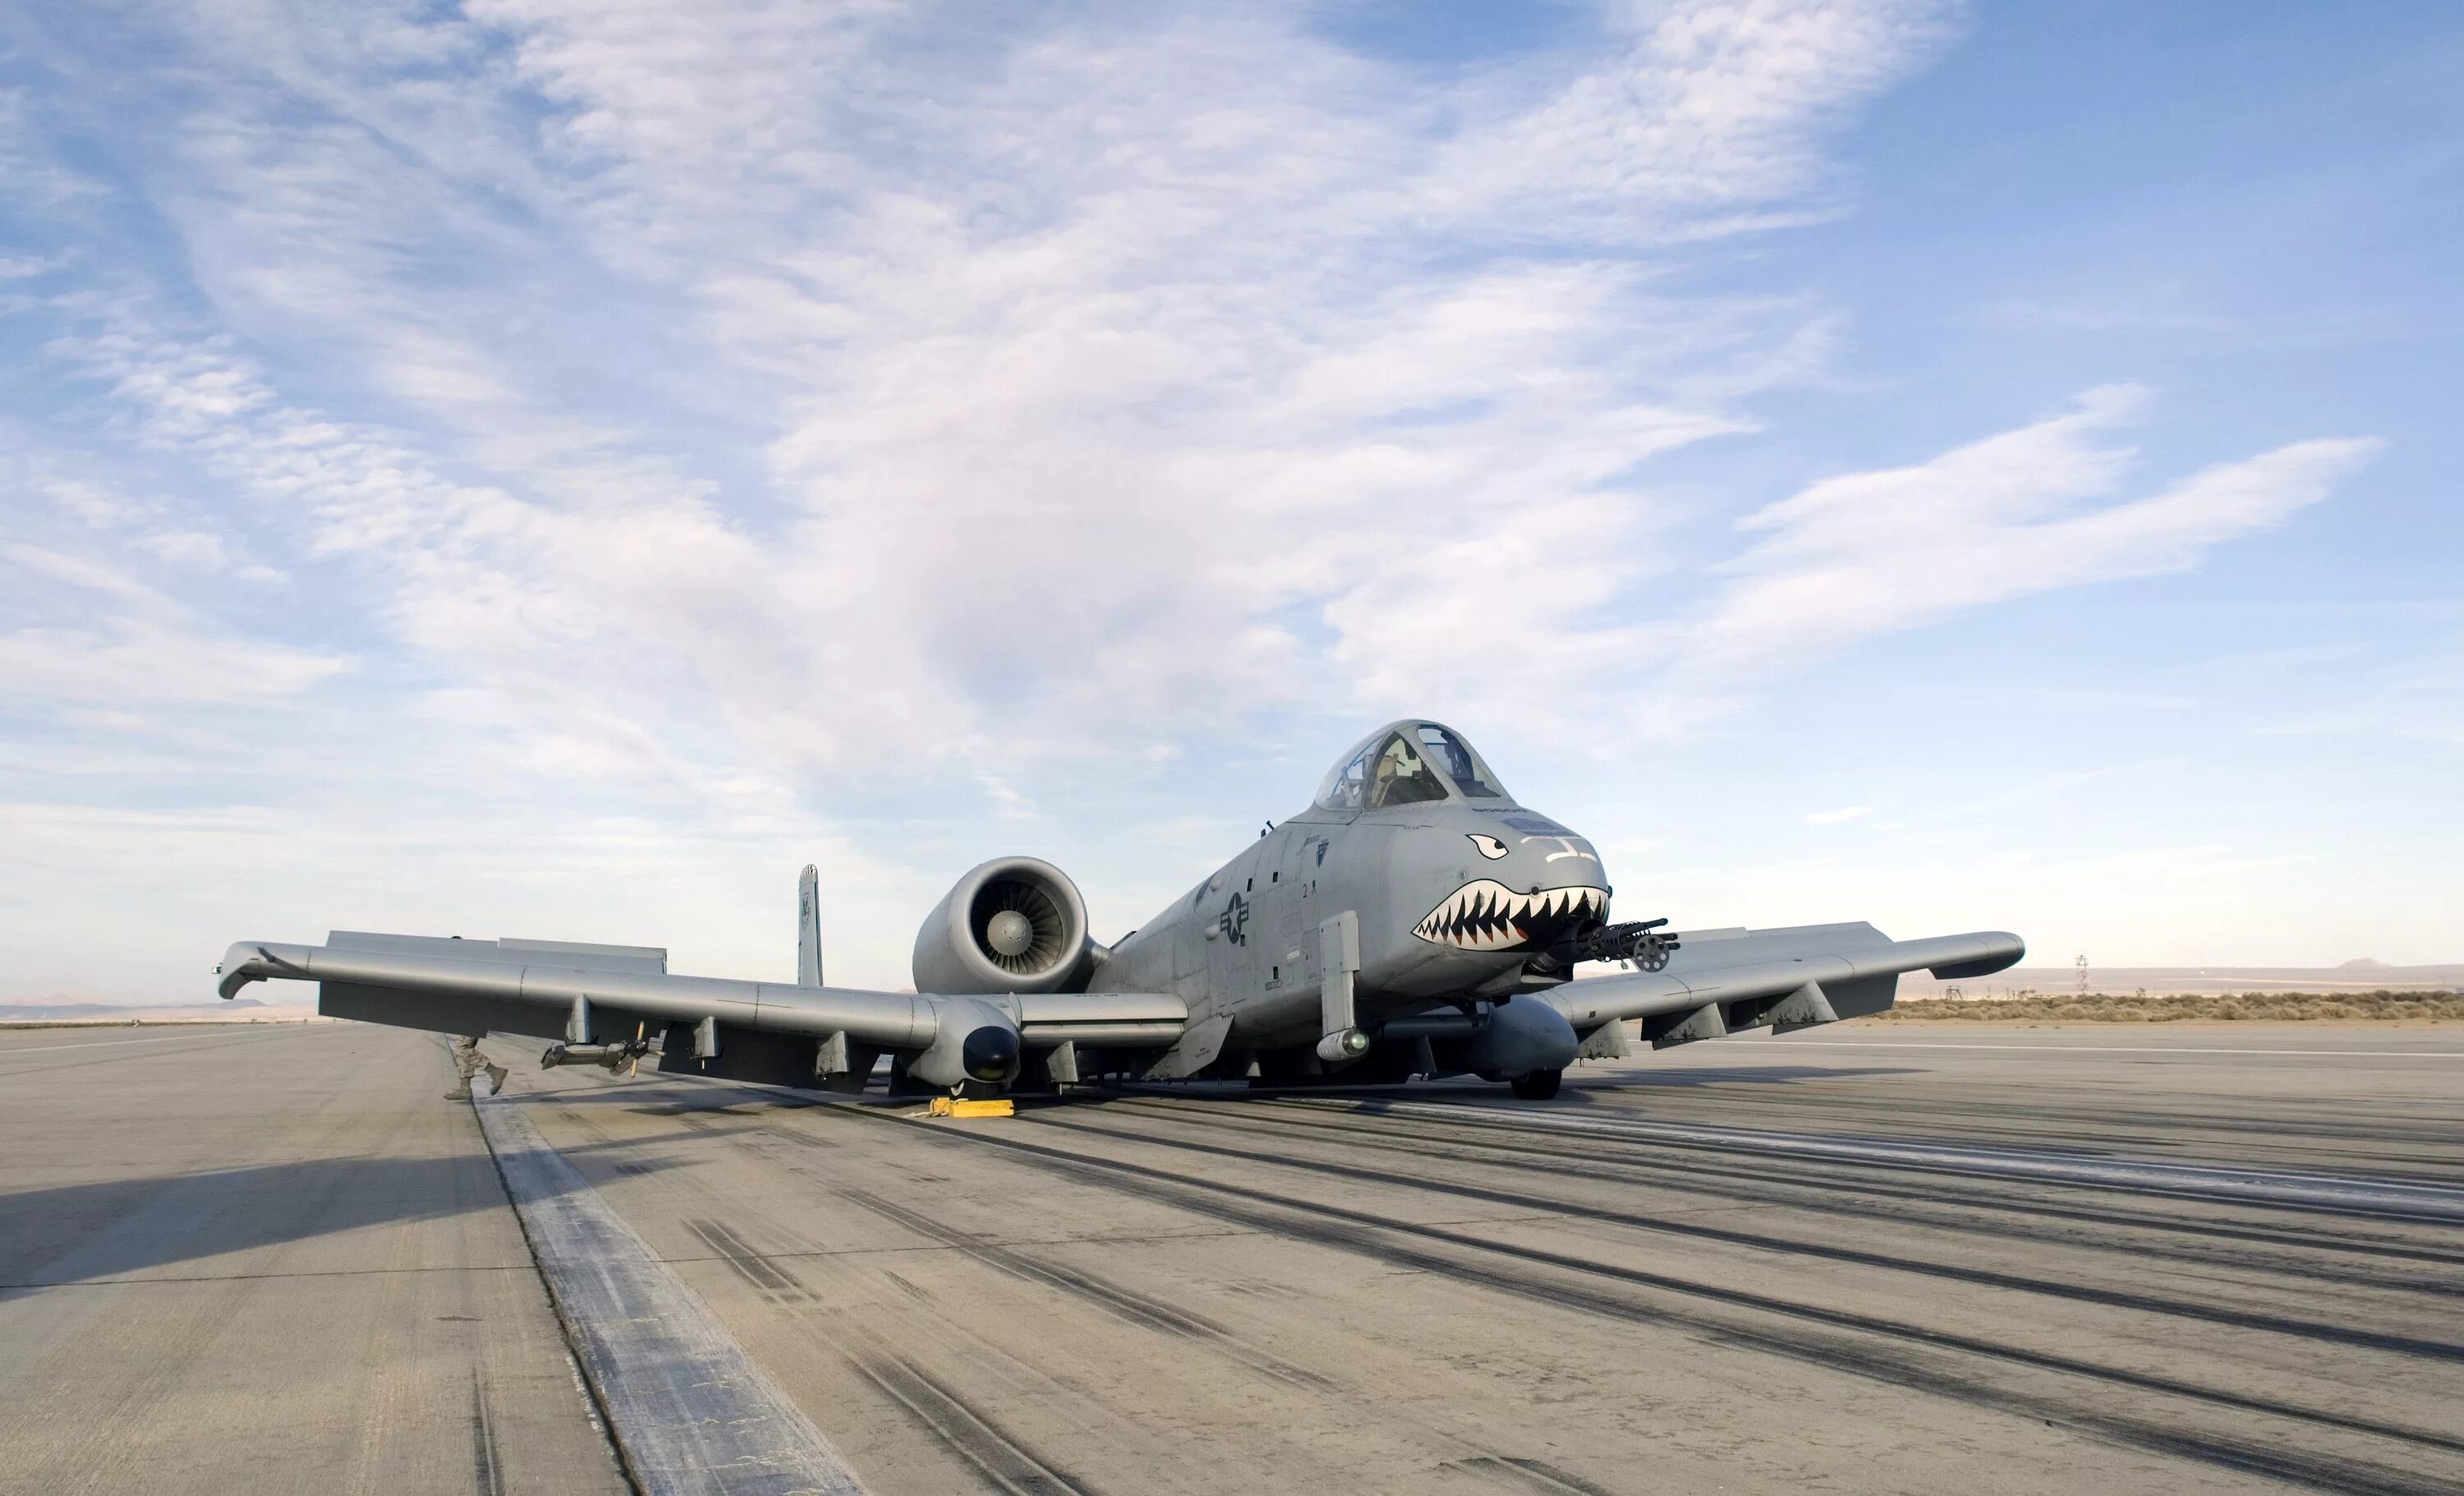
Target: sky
[{"x": 528, "y": 468}]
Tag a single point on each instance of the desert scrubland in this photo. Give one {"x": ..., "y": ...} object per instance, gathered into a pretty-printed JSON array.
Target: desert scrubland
[{"x": 2205, "y": 1008}]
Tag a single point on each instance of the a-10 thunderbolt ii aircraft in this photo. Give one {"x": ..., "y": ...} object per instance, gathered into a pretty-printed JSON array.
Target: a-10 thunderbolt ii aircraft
[{"x": 1414, "y": 920}]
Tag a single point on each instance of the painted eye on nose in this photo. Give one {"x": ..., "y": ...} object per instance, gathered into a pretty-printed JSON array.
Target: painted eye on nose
[{"x": 1489, "y": 847}]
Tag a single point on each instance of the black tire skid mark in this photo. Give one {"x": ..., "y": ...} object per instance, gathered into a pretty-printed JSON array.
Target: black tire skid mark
[
  {"x": 1946, "y": 1167},
  {"x": 1754, "y": 1240},
  {"x": 2433, "y": 1350},
  {"x": 1544, "y": 1121},
  {"x": 2222, "y": 1451},
  {"x": 1538, "y": 1159},
  {"x": 1351, "y": 1231},
  {"x": 1532, "y": 1472},
  {"x": 487, "y": 1472},
  {"x": 1005, "y": 1463},
  {"x": 1854, "y": 1173},
  {"x": 1765, "y": 1186},
  {"x": 1529, "y": 1475},
  {"x": 747, "y": 1261},
  {"x": 1124, "y": 1304},
  {"x": 1847, "y": 1191},
  {"x": 1991, "y": 1117}
]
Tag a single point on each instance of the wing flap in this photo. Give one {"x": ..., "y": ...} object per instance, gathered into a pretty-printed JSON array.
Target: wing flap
[{"x": 580, "y": 956}]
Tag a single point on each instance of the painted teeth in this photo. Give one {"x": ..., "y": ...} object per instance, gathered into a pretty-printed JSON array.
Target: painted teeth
[{"x": 1488, "y": 915}]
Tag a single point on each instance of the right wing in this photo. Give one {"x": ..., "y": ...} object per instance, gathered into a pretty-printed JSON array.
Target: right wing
[
  {"x": 1719, "y": 981},
  {"x": 613, "y": 994}
]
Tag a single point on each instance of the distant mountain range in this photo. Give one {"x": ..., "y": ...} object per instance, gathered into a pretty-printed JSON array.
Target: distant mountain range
[
  {"x": 2362, "y": 975},
  {"x": 22, "y": 1011}
]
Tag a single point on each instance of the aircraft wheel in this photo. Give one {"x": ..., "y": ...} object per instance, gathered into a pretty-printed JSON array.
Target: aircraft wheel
[{"x": 1539, "y": 1084}]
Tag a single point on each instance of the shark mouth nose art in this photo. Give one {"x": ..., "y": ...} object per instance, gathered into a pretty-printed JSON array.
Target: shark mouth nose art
[{"x": 1488, "y": 915}]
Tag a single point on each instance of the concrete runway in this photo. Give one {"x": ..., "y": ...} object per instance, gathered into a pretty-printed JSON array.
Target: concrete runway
[
  {"x": 1865, "y": 1259},
  {"x": 267, "y": 1259}
]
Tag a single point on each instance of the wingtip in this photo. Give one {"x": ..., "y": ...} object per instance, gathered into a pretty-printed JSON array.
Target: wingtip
[
  {"x": 240, "y": 965},
  {"x": 255, "y": 960},
  {"x": 1999, "y": 950}
]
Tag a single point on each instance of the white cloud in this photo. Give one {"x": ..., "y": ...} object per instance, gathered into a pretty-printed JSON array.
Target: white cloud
[
  {"x": 1144, "y": 372},
  {"x": 142, "y": 647},
  {"x": 208, "y": 554},
  {"x": 1834, "y": 817},
  {"x": 2015, "y": 513},
  {"x": 23, "y": 267},
  {"x": 709, "y": 411}
]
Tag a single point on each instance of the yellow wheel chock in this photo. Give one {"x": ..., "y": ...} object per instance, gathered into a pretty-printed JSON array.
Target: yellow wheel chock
[{"x": 946, "y": 1107}]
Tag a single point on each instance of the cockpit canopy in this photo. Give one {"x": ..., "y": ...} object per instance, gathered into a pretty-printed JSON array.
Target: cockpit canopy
[{"x": 1406, "y": 762}]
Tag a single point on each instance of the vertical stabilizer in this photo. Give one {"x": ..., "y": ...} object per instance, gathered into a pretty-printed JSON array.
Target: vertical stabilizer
[{"x": 808, "y": 928}]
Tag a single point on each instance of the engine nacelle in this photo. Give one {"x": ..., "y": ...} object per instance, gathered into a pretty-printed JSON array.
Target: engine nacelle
[{"x": 1015, "y": 924}]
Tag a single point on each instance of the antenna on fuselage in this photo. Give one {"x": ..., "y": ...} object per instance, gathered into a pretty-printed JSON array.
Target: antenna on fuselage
[{"x": 808, "y": 928}]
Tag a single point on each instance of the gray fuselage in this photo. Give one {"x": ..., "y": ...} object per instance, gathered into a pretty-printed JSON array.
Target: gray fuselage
[{"x": 1245, "y": 943}]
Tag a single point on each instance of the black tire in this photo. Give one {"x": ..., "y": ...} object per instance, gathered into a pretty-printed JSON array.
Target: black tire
[{"x": 1539, "y": 1084}]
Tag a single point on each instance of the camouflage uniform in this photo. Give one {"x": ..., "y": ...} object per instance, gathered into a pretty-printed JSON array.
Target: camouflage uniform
[{"x": 469, "y": 1062}]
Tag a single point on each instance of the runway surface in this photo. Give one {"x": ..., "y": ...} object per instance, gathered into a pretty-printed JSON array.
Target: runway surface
[
  {"x": 267, "y": 1259},
  {"x": 1868, "y": 1258}
]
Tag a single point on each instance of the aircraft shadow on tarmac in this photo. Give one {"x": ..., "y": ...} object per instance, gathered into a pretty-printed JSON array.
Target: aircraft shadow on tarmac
[
  {"x": 121, "y": 1228},
  {"x": 118, "y": 1228},
  {"x": 1742, "y": 1075},
  {"x": 684, "y": 1095}
]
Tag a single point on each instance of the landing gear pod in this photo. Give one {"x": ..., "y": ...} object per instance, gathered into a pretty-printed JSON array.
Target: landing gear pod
[
  {"x": 1521, "y": 1039},
  {"x": 976, "y": 1046}
]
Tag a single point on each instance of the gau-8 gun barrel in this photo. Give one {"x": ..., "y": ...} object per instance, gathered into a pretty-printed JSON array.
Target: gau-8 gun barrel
[{"x": 1636, "y": 940}]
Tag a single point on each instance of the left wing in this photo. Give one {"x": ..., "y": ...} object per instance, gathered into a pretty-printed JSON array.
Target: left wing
[
  {"x": 1721, "y": 982},
  {"x": 624, "y": 996}
]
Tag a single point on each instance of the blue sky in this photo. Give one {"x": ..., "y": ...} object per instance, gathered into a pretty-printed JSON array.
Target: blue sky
[{"x": 511, "y": 470}]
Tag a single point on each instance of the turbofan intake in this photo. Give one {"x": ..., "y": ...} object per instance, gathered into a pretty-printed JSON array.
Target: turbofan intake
[{"x": 1015, "y": 924}]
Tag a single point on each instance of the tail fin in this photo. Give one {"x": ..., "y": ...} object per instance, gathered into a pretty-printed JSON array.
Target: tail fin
[{"x": 808, "y": 928}]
